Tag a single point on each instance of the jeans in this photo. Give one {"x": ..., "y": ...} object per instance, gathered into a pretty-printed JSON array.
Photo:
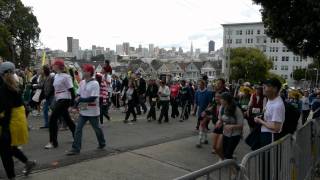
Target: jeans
[
  {"x": 60, "y": 110},
  {"x": 46, "y": 107},
  {"x": 131, "y": 110},
  {"x": 94, "y": 121}
]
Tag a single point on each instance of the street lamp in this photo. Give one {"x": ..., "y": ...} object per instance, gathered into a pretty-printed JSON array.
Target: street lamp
[{"x": 315, "y": 69}]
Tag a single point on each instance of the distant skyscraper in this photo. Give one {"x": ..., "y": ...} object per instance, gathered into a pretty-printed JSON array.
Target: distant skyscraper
[
  {"x": 119, "y": 49},
  {"x": 69, "y": 44},
  {"x": 191, "y": 50},
  {"x": 197, "y": 53},
  {"x": 151, "y": 50},
  {"x": 211, "y": 46},
  {"x": 126, "y": 48}
]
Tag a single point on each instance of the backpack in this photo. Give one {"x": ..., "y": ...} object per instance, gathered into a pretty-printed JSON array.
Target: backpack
[{"x": 290, "y": 123}]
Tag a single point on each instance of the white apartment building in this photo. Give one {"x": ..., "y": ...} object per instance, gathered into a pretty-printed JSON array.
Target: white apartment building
[{"x": 254, "y": 35}]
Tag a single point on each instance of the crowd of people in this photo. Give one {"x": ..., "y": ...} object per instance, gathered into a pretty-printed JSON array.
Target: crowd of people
[{"x": 270, "y": 110}]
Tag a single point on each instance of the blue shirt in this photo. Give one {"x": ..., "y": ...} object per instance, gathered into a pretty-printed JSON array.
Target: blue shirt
[{"x": 202, "y": 100}]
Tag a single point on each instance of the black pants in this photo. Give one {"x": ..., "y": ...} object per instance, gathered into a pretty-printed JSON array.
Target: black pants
[
  {"x": 116, "y": 100},
  {"x": 60, "y": 110},
  {"x": 131, "y": 110},
  {"x": 305, "y": 114},
  {"x": 185, "y": 111},
  {"x": 174, "y": 106},
  {"x": 7, "y": 152},
  {"x": 152, "y": 111},
  {"x": 141, "y": 104},
  {"x": 164, "y": 111},
  {"x": 103, "y": 112},
  {"x": 229, "y": 146}
]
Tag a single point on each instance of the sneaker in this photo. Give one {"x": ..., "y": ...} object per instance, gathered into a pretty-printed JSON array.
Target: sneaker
[
  {"x": 72, "y": 152},
  {"x": 28, "y": 167},
  {"x": 108, "y": 118},
  {"x": 100, "y": 147},
  {"x": 206, "y": 142},
  {"x": 199, "y": 146},
  {"x": 181, "y": 120},
  {"x": 50, "y": 146},
  {"x": 134, "y": 120}
]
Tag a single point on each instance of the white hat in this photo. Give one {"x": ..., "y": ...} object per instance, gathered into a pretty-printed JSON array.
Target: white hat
[{"x": 6, "y": 66}]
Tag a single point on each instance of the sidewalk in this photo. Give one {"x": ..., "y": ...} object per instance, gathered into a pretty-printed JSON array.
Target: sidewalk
[{"x": 160, "y": 162}]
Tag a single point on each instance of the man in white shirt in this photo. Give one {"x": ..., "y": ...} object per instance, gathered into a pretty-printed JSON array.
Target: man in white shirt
[
  {"x": 88, "y": 102},
  {"x": 274, "y": 114}
]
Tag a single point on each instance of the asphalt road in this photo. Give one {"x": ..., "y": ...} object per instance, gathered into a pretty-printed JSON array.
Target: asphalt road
[{"x": 143, "y": 150}]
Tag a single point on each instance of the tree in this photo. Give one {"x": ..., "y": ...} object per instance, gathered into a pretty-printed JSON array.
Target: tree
[
  {"x": 249, "y": 64},
  {"x": 22, "y": 25},
  {"x": 300, "y": 74},
  {"x": 295, "y": 23},
  {"x": 272, "y": 75}
]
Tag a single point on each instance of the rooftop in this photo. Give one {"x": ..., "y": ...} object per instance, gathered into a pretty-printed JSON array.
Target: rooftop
[{"x": 242, "y": 24}]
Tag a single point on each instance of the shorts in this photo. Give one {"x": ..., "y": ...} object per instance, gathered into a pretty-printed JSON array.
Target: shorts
[{"x": 218, "y": 130}]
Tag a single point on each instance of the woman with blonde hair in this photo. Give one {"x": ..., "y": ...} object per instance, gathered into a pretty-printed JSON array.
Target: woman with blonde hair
[{"x": 13, "y": 122}]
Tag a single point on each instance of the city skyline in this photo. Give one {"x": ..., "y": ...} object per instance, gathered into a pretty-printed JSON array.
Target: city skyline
[{"x": 108, "y": 23}]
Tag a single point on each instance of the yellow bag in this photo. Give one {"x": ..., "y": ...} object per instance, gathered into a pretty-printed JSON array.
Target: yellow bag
[{"x": 19, "y": 127}]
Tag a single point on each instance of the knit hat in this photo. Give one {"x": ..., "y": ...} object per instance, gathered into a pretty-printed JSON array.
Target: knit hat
[{"x": 6, "y": 67}]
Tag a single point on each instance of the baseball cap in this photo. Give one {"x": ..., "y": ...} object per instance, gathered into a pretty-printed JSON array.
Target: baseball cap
[
  {"x": 274, "y": 82},
  {"x": 88, "y": 68},
  {"x": 7, "y": 67},
  {"x": 59, "y": 63}
]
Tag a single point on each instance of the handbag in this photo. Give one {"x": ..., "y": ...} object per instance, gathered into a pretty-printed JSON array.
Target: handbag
[
  {"x": 36, "y": 96},
  {"x": 253, "y": 139},
  {"x": 311, "y": 114}
]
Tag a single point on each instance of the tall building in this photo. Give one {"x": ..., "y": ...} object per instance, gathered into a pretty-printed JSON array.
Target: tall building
[
  {"x": 254, "y": 35},
  {"x": 211, "y": 46},
  {"x": 180, "y": 51},
  {"x": 75, "y": 48},
  {"x": 119, "y": 49},
  {"x": 126, "y": 48},
  {"x": 191, "y": 50},
  {"x": 69, "y": 44},
  {"x": 151, "y": 50},
  {"x": 197, "y": 53}
]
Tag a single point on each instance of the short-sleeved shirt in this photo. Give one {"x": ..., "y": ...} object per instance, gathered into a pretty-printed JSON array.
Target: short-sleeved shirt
[
  {"x": 62, "y": 83},
  {"x": 237, "y": 119},
  {"x": 275, "y": 112},
  {"x": 86, "y": 90}
]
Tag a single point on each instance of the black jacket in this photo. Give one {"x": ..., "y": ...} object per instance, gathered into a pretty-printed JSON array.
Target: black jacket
[
  {"x": 135, "y": 98},
  {"x": 152, "y": 91},
  {"x": 142, "y": 88}
]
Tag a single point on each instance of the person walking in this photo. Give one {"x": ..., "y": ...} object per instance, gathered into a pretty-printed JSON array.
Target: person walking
[
  {"x": 185, "y": 99},
  {"x": 13, "y": 122},
  {"x": 152, "y": 94},
  {"x": 88, "y": 102},
  {"x": 232, "y": 120},
  {"x": 64, "y": 97},
  {"x": 103, "y": 100},
  {"x": 174, "y": 100},
  {"x": 203, "y": 98},
  {"x": 164, "y": 99},
  {"x": 131, "y": 99},
  {"x": 141, "y": 87},
  {"x": 305, "y": 107},
  {"x": 48, "y": 93}
]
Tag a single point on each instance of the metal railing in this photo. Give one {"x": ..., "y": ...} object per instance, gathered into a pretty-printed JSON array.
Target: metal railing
[
  {"x": 294, "y": 157},
  {"x": 225, "y": 170}
]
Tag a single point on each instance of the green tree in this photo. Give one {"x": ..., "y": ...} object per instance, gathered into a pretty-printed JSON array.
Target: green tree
[
  {"x": 295, "y": 23},
  {"x": 273, "y": 75},
  {"x": 4, "y": 41},
  {"x": 24, "y": 31},
  {"x": 299, "y": 74},
  {"x": 249, "y": 64}
]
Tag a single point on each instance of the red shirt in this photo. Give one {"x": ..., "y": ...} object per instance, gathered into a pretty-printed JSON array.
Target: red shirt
[{"x": 174, "y": 90}]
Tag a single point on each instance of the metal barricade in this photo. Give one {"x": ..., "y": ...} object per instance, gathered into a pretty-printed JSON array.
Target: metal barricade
[
  {"x": 225, "y": 170},
  {"x": 272, "y": 162},
  {"x": 304, "y": 156}
]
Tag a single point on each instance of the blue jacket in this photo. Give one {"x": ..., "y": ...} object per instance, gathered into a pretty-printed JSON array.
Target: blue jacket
[
  {"x": 202, "y": 100},
  {"x": 315, "y": 105}
]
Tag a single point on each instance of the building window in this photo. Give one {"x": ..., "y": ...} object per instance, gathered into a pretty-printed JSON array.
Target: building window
[
  {"x": 265, "y": 40},
  {"x": 277, "y": 49},
  {"x": 229, "y": 41},
  {"x": 284, "y": 49},
  {"x": 258, "y": 31},
  {"x": 238, "y": 41},
  {"x": 287, "y": 58},
  {"x": 283, "y": 58},
  {"x": 239, "y": 32},
  {"x": 264, "y": 49}
]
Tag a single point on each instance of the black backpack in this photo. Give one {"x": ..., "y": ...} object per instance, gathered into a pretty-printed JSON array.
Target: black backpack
[{"x": 291, "y": 121}]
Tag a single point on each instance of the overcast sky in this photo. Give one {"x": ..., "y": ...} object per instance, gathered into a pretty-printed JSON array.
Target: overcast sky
[{"x": 165, "y": 23}]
